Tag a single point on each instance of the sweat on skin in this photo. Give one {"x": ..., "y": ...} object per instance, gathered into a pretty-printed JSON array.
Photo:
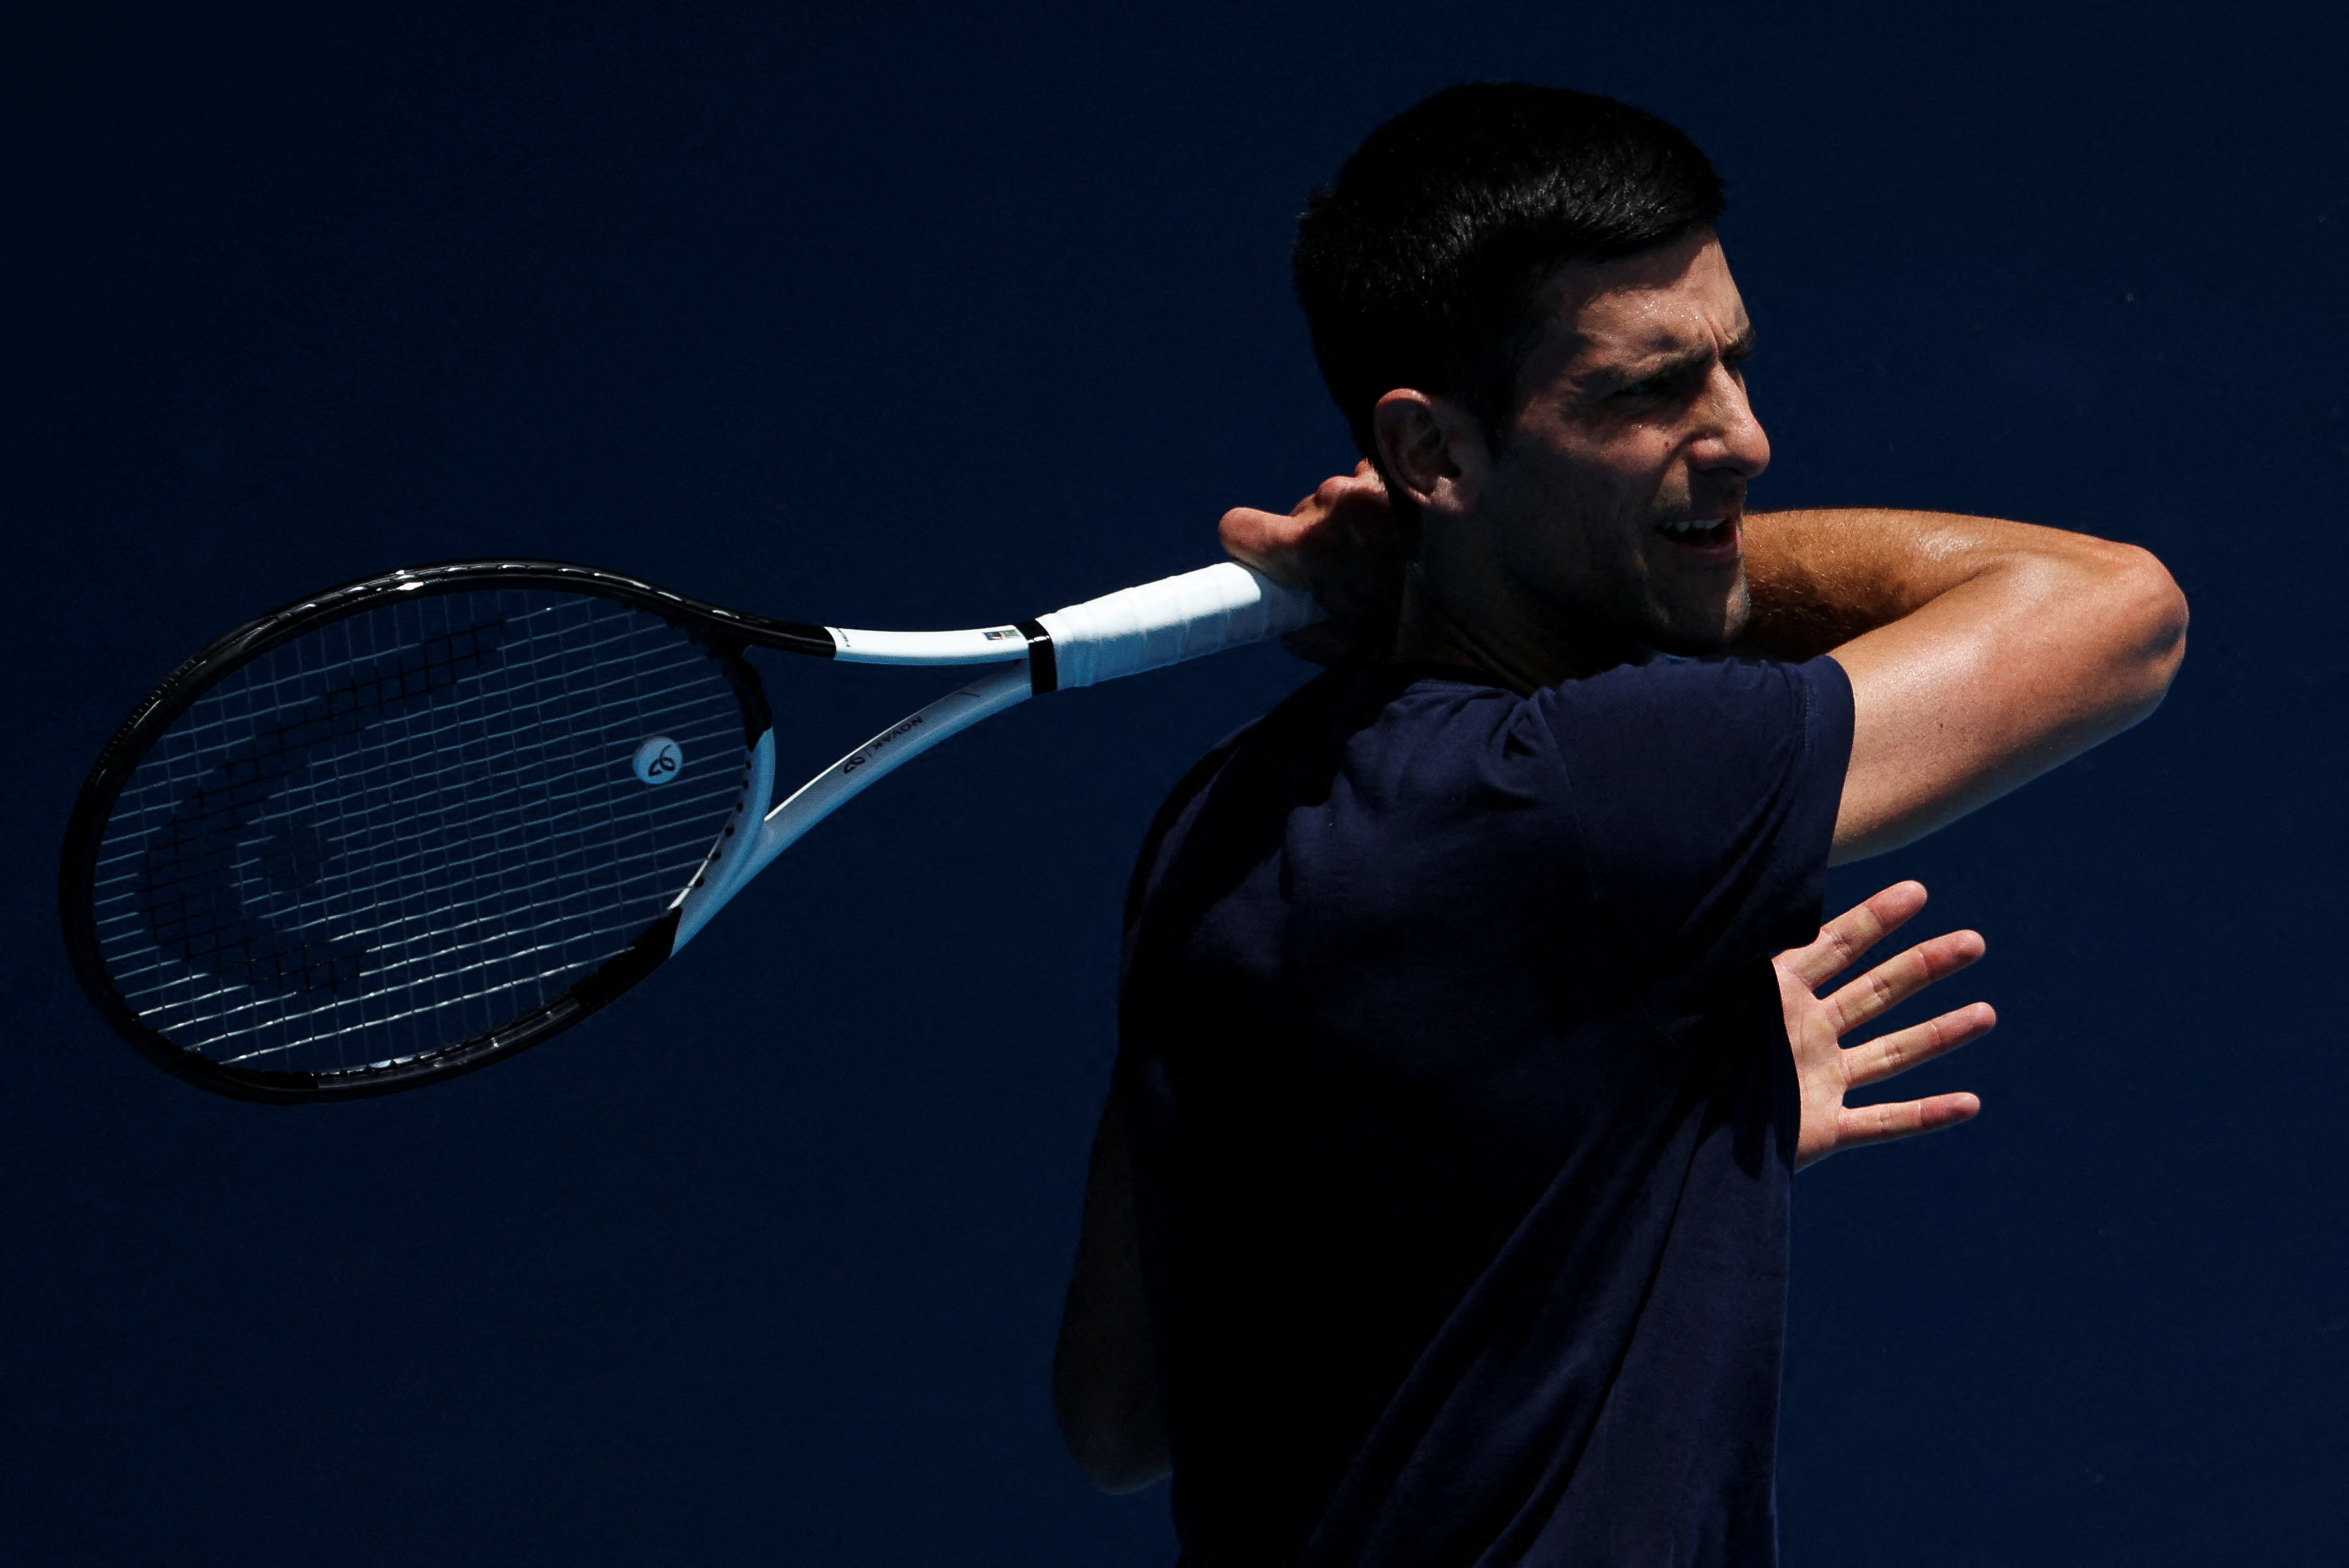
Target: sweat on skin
[{"x": 1605, "y": 522}]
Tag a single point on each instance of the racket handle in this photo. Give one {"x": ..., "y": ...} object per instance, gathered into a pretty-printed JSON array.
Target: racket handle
[{"x": 1170, "y": 620}]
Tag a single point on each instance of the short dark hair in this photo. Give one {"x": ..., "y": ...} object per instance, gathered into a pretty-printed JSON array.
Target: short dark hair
[{"x": 1421, "y": 267}]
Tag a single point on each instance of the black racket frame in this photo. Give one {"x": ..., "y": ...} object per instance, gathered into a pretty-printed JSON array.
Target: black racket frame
[{"x": 726, "y": 633}]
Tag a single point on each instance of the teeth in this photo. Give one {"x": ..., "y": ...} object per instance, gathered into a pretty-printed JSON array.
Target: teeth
[{"x": 1693, "y": 525}]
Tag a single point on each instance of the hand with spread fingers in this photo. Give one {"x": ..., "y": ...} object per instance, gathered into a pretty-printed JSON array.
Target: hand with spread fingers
[{"x": 1828, "y": 1069}]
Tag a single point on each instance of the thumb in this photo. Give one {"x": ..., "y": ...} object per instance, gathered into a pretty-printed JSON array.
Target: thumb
[{"x": 1264, "y": 540}]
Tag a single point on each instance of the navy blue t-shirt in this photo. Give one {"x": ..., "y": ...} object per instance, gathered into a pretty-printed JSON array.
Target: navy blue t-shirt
[{"x": 1463, "y": 1113}]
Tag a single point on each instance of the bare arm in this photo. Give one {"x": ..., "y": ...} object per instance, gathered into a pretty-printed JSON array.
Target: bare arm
[
  {"x": 1104, "y": 1392},
  {"x": 1981, "y": 652}
]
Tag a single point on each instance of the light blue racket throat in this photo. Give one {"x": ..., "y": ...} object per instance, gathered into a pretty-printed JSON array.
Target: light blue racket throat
[{"x": 415, "y": 824}]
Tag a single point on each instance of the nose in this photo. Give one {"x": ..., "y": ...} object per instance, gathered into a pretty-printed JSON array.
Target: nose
[{"x": 1729, "y": 437}]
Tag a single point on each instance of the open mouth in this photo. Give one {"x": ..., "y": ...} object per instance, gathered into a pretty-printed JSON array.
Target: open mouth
[{"x": 1714, "y": 536}]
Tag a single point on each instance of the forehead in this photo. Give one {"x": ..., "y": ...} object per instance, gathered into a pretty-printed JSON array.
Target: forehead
[{"x": 1666, "y": 301}]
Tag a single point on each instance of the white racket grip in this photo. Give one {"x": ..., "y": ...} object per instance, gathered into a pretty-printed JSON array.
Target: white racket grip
[{"x": 1169, "y": 620}]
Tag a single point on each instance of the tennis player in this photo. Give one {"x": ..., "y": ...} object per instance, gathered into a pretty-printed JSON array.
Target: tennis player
[{"x": 1439, "y": 1212}]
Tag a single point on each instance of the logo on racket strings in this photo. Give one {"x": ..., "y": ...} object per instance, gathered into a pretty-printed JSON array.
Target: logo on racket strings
[{"x": 659, "y": 760}]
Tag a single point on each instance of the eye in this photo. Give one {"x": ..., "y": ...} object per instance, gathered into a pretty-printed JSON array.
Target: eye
[{"x": 1663, "y": 386}]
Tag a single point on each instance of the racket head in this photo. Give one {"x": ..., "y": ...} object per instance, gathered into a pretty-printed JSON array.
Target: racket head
[{"x": 407, "y": 827}]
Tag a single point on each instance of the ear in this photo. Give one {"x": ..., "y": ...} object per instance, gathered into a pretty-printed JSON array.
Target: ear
[{"x": 1432, "y": 449}]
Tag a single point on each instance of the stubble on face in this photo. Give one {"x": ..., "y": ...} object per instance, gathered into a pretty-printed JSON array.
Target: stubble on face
[{"x": 1615, "y": 504}]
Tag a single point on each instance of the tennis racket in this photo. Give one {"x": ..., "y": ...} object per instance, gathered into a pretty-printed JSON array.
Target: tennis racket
[{"x": 407, "y": 827}]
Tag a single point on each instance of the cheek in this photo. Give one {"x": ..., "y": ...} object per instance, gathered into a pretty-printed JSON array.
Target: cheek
[
  {"x": 1581, "y": 504},
  {"x": 1620, "y": 471},
  {"x": 1642, "y": 472},
  {"x": 1615, "y": 497}
]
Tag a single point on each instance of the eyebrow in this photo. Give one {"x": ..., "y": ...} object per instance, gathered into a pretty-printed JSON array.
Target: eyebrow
[{"x": 1738, "y": 347}]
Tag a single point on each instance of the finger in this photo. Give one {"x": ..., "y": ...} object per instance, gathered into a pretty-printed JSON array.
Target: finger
[
  {"x": 1901, "y": 976},
  {"x": 1873, "y": 1061},
  {"x": 1264, "y": 540},
  {"x": 1342, "y": 490},
  {"x": 1864, "y": 1124},
  {"x": 1842, "y": 940}
]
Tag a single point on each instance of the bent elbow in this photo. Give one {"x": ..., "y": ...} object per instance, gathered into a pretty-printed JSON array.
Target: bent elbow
[{"x": 2153, "y": 626}]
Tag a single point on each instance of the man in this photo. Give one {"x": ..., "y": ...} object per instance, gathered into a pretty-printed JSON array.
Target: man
[{"x": 1439, "y": 1212}]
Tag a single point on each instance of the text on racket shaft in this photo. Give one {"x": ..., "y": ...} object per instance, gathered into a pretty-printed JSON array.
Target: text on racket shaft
[{"x": 864, "y": 754}]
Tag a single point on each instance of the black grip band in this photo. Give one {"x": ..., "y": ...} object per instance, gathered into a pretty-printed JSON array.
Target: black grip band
[{"x": 1043, "y": 669}]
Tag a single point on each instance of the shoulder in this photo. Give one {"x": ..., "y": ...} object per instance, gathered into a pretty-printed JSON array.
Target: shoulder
[
  {"x": 1701, "y": 715},
  {"x": 1174, "y": 815},
  {"x": 1673, "y": 690},
  {"x": 1367, "y": 721},
  {"x": 1706, "y": 791}
]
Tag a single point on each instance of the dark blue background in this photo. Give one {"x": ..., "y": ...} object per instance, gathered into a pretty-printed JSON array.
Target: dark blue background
[{"x": 929, "y": 318}]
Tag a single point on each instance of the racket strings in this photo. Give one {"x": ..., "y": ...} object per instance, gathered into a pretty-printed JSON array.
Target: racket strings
[
  {"x": 187, "y": 890},
  {"x": 406, "y": 828}
]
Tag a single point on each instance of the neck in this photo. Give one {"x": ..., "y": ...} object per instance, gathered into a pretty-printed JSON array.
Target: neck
[{"x": 1539, "y": 651}]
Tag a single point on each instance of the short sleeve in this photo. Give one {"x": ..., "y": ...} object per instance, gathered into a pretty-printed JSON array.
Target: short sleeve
[{"x": 1704, "y": 792}]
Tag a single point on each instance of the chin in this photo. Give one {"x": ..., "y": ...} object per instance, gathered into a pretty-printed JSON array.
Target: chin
[{"x": 1695, "y": 633}]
